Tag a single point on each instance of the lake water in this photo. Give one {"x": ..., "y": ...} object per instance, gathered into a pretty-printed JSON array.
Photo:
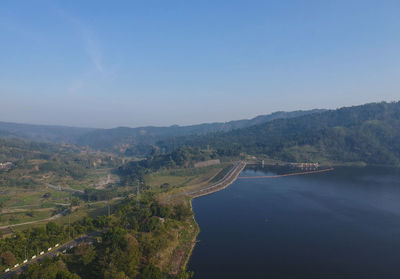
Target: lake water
[{"x": 339, "y": 224}]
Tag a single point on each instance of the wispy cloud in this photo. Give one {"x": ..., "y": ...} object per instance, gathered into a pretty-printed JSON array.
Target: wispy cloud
[
  {"x": 87, "y": 80},
  {"x": 90, "y": 42},
  {"x": 93, "y": 51}
]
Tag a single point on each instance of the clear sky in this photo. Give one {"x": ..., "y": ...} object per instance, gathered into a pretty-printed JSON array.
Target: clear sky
[{"x": 133, "y": 63}]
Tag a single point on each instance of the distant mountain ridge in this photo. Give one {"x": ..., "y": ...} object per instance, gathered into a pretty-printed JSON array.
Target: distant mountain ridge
[
  {"x": 42, "y": 133},
  {"x": 138, "y": 140},
  {"x": 105, "y": 138},
  {"x": 365, "y": 134}
]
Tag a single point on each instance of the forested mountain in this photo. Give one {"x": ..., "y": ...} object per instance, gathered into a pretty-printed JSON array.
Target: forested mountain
[
  {"x": 132, "y": 141},
  {"x": 140, "y": 140},
  {"x": 369, "y": 133}
]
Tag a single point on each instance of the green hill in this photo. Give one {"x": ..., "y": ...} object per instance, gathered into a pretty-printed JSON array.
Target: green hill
[
  {"x": 369, "y": 133},
  {"x": 130, "y": 141}
]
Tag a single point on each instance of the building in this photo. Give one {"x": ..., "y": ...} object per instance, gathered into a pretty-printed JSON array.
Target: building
[{"x": 5, "y": 166}]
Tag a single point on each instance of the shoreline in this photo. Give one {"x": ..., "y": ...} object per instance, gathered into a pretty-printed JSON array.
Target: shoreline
[
  {"x": 194, "y": 240},
  {"x": 227, "y": 180}
]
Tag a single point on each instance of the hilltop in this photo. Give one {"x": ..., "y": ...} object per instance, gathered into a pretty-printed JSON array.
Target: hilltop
[{"x": 366, "y": 134}]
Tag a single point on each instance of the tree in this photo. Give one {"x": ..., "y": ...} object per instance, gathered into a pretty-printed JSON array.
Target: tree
[
  {"x": 75, "y": 201},
  {"x": 182, "y": 211},
  {"x": 183, "y": 274},
  {"x": 151, "y": 272},
  {"x": 112, "y": 273},
  {"x": 65, "y": 274},
  {"x": 85, "y": 253},
  {"x": 8, "y": 258}
]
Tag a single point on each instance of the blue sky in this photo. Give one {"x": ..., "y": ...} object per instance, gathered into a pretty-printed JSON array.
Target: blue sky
[{"x": 134, "y": 63}]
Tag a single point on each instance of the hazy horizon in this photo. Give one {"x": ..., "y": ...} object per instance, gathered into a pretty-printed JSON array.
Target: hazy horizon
[
  {"x": 102, "y": 65},
  {"x": 190, "y": 124},
  {"x": 168, "y": 125}
]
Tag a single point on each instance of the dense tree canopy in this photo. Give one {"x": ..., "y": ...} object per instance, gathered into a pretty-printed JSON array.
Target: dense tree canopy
[
  {"x": 128, "y": 247},
  {"x": 368, "y": 133}
]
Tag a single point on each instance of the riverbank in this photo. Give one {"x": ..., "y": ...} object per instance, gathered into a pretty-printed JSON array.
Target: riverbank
[
  {"x": 227, "y": 180},
  {"x": 223, "y": 183}
]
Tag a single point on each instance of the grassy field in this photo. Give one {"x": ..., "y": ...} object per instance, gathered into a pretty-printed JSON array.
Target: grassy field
[
  {"x": 20, "y": 217},
  {"x": 20, "y": 204},
  {"x": 157, "y": 179},
  {"x": 91, "y": 210},
  {"x": 26, "y": 205},
  {"x": 183, "y": 177},
  {"x": 195, "y": 178},
  {"x": 38, "y": 197}
]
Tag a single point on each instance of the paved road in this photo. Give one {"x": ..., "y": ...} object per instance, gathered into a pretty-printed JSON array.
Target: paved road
[
  {"x": 54, "y": 252},
  {"x": 59, "y": 188}
]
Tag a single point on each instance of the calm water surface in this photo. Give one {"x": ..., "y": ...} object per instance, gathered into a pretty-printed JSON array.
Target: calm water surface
[{"x": 341, "y": 224}]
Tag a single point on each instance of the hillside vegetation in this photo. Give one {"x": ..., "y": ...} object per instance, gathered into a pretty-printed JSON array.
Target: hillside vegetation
[
  {"x": 139, "y": 141},
  {"x": 365, "y": 134},
  {"x": 141, "y": 239},
  {"x": 130, "y": 141}
]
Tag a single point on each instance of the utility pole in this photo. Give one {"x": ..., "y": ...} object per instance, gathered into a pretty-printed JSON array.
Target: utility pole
[
  {"x": 69, "y": 216},
  {"x": 69, "y": 225},
  {"x": 108, "y": 205},
  {"x": 138, "y": 192}
]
